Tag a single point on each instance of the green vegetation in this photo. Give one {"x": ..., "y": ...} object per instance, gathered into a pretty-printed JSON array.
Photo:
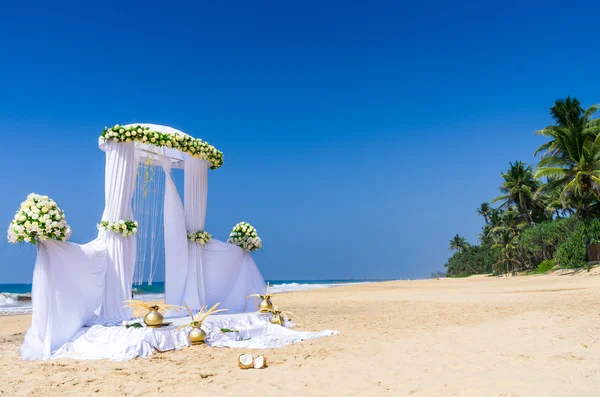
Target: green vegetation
[
  {"x": 545, "y": 266},
  {"x": 544, "y": 214}
]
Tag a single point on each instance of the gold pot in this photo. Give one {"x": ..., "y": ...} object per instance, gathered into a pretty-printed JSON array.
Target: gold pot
[
  {"x": 277, "y": 319},
  {"x": 265, "y": 305},
  {"x": 197, "y": 335},
  {"x": 153, "y": 319}
]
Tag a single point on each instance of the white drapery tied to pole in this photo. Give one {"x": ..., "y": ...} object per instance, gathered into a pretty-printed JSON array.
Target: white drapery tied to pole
[
  {"x": 195, "y": 198},
  {"x": 119, "y": 185},
  {"x": 176, "y": 243}
]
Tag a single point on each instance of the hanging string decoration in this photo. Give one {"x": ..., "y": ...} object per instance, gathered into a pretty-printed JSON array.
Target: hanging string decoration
[{"x": 148, "y": 209}]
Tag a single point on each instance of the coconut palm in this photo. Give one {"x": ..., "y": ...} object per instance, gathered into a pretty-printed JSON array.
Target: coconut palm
[
  {"x": 484, "y": 210},
  {"x": 518, "y": 189},
  {"x": 574, "y": 163},
  {"x": 567, "y": 113},
  {"x": 511, "y": 221},
  {"x": 459, "y": 244},
  {"x": 508, "y": 243}
]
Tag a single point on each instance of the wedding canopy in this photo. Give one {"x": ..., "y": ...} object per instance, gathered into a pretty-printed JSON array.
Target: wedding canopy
[{"x": 76, "y": 285}]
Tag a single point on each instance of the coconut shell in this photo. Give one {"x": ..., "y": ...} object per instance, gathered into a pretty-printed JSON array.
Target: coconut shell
[
  {"x": 245, "y": 366},
  {"x": 264, "y": 362}
]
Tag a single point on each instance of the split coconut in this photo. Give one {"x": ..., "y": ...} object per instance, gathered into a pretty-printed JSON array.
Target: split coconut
[
  {"x": 245, "y": 361},
  {"x": 260, "y": 362}
]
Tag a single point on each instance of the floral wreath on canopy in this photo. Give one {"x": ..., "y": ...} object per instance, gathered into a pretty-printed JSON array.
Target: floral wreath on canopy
[{"x": 193, "y": 146}]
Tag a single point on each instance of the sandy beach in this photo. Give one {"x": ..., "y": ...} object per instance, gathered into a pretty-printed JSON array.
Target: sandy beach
[{"x": 478, "y": 336}]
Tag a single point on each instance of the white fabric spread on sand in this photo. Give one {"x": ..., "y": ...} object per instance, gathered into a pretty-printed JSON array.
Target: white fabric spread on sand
[
  {"x": 230, "y": 274},
  {"x": 121, "y": 343},
  {"x": 68, "y": 282}
]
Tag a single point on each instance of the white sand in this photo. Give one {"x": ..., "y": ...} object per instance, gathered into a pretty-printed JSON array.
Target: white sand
[{"x": 481, "y": 336}]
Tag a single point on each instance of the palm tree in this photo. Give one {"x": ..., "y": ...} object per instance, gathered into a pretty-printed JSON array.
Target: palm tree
[
  {"x": 574, "y": 162},
  {"x": 459, "y": 244},
  {"x": 484, "y": 210},
  {"x": 567, "y": 113},
  {"x": 509, "y": 220},
  {"x": 508, "y": 243},
  {"x": 519, "y": 187}
]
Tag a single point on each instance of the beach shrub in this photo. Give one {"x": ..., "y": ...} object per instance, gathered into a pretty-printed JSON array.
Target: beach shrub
[
  {"x": 546, "y": 266},
  {"x": 476, "y": 259},
  {"x": 540, "y": 242},
  {"x": 571, "y": 253}
]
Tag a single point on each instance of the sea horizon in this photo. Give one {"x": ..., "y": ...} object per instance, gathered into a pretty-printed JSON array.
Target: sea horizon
[{"x": 15, "y": 298}]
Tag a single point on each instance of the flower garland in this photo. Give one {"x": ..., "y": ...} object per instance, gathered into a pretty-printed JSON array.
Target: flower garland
[
  {"x": 194, "y": 147},
  {"x": 38, "y": 219},
  {"x": 124, "y": 227},
  {"x": 244, "y": 235},
  {"x": 199, "y": 237}
]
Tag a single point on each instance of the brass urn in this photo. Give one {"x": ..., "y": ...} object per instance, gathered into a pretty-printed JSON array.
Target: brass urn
[
  {"x": 153, "y": 319},
  {"x": 197, "y": 334},
  {"x": 277, "y": 318},
  {"x": 265, "y": 305}
]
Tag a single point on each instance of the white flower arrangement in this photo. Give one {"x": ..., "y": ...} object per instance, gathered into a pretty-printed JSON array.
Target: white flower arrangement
[
  {"x": 199, "y": 237},
  {"x": 194, "y": 147},
  {"x": 244, "y": 235},
  {"x": 38, "y": 219},
  {"x": 125, "y": 227}
]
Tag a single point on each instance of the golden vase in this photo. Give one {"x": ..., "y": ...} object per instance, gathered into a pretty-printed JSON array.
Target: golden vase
[
  {"x": 197, "y": 335},
  {"x": 153, "y": 319},
  {"x": 277, "y": 319},
  {"x": 265, "y": 305}
]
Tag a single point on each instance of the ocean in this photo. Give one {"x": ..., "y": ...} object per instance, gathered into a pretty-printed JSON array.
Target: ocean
[{"x": 16, "y": 298}]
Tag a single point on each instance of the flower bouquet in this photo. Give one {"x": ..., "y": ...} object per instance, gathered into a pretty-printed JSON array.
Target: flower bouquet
[
  {"x": 199, "y": 237},
  {"x": 38, "y": 219},
  {"x": 244, "y": 235},
  {"x": 124, "y": 227}
]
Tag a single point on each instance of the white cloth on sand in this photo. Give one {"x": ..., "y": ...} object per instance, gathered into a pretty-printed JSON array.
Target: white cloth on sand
[{"x": 121, "y": 343}]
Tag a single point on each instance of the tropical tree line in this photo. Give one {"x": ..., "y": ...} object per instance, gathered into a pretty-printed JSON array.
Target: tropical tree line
[{"x": 545, "y": 214}]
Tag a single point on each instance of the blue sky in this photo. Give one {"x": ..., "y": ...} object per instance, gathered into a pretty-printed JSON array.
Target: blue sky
[{"x": 358, "y": 137}]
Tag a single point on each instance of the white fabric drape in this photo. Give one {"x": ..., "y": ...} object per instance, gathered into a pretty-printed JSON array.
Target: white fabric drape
[
  {"x": 176, "y": 243},
  {"x": 119, "y": 185},
  {"x": 68, "y": 282},
  {"x": 119, "y": 343},
  {"x": 195, "y": 197},
  {"x": 230, "y": 275}
]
